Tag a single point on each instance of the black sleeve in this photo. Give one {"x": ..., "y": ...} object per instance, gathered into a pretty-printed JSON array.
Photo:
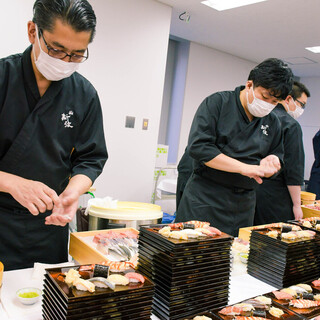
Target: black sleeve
[
  {"x": 316, "y": 149},
  {"x": 293, "y": 156},
  {"x": 90, "y": 152},
  {"x": 202, "y": 137}
]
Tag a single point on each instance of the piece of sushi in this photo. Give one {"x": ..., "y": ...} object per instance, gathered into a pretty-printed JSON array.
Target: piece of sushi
[
  {"x": 101, "y": 282},
  {"x": 84, "y": 285},
  {"x": 101, "y": 270},
  {"x": 135, "y": 277},
  {"x": 191, "y": 233},
  {"x": 201, "y": 318},
  {"x": 302, "y": 304},
  {"x": 290, "y": 291},
  {"x": 259, "y": 313},
  {"x": 280, "y": 295},
  {"x": 272, "y": 234},
  {"x": 178, "y": 235},
  {"x": 276, "y": 312},
  {"x": 307, "y": 224},
  {"x": 316, "y": 297},
  {"x": 298, "y": 289},
  {"x": 244, "y": 306},
  {"x": 249, "y": 318},
  {"x": 118, "y": 279},
  {"x": 71, "y": 276},
  {"x": 307, "y": 296},
  {"x": 316, "y": 283},
  {"x": 165, "y": 231},
  {"x": 305, "y": 286},
  {"x": 231, "y": 311},
  {"x": 289, "y": 236},
  {"x": 263, "y": 299}
]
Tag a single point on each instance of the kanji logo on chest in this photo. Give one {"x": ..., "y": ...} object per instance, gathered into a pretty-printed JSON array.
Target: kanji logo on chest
[
  {"x": 264, "y": 129},
  {"x": 66, "y": 119}
]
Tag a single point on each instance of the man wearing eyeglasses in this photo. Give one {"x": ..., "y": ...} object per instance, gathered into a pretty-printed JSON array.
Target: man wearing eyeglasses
[
  {"x": 278, "y": 199},
  {"x": 52, "y": 145}
]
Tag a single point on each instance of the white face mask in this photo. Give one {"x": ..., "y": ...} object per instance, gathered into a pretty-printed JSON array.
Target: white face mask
[
  {"x": 259, "y": 108},
  {"x": 51, "y": 68},
  {"x": 297, "y": 112}
]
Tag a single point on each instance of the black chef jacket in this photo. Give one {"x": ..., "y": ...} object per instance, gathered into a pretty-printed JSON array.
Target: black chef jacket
[
  {"x": 47, "y": 139},
  {"x": 220, "y": 125},
  {"x": 185, "y": 169},
  {"x": 274, "y": 202},
  {"x": 314, "y": 182}
]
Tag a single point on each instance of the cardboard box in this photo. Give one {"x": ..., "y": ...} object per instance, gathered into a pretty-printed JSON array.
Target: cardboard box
[
  {"x": 82, "y": 252},
  {"x": 162, "y": 155}
]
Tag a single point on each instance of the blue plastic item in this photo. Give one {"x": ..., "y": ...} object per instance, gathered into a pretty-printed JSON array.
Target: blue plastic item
[{"x": 168, "y": 218}]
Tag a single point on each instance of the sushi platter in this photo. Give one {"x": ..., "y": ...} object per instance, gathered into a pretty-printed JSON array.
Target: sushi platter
[
  {"x": 128, "y": 300},
  {"x": 260, "y": 307},
  {"x": 302, "y": 298},
  {"x": 280, "y": 261},
  {"x": 190, "y": 275}
]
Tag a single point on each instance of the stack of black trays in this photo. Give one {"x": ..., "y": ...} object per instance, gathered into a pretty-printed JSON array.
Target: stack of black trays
[
  {"x": 60, "y": 302},
  {"x": 190, "y": 276},
  {"x": 282, "y": 263}
]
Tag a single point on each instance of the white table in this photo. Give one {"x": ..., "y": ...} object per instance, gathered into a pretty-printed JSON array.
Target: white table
[{"x": 242, "y": 286}]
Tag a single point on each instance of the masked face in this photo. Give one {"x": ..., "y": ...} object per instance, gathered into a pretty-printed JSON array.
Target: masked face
[
  {"x": 295, "y": 113},
  {"x": 51, "y": 68},
  {"x": 259, "y": 108}
]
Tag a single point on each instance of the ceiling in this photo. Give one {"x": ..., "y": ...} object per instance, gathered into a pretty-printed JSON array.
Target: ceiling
[{"x": 273, "y": 28}]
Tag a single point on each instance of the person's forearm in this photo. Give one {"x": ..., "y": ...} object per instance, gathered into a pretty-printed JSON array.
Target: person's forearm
[
  {"x": 79, "y": 183},
  {"x": 295, "y": 194},
  {"x": 7, "y": 181},
  {"x": 225, "y": 163}
]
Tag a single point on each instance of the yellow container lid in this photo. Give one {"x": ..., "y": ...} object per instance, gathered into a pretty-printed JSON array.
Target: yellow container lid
[{"x": 127, "y": 210}]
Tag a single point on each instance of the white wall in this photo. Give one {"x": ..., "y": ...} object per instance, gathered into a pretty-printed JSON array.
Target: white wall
[
  {"x": 127, "y": 67},
  {"x": 310, "y": 121},
  {"x": 209, "y": 71}
]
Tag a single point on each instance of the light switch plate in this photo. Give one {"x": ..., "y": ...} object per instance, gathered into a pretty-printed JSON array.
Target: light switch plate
[
  {"x": 145, "y": 124},
  {"x": 130, "y": 122}
]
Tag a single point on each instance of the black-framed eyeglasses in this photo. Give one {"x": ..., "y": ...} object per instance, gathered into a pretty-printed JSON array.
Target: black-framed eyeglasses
[
  {"x": 60, "y": 54},
  {"x": 303, "y": 105}
]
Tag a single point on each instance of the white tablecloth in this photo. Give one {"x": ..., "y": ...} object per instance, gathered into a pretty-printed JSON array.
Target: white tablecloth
[{"x": 242, "y": 286}]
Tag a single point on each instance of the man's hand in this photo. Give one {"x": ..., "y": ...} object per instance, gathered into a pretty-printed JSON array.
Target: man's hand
[
  {"x": 297, "y": 211},
  {"x": 64, "y": 212},
  {"x": 271, "y": 165},
  {"x": 33, "y": 195}
]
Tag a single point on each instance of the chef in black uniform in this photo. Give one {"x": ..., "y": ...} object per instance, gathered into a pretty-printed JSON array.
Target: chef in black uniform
[
  {"x": 52, "y": 144},
  {"x": 279, "y": 199},
  {"x": 185, "y": 169},
  {"x": 235, "y": 141},
  {"x": 314, "y": 181}
]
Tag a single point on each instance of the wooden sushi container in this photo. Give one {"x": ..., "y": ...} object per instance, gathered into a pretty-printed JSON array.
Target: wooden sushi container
[
  {"x": 245, "y": 233},
  {"x": 309, "y": 212},
  {"x": 308, "y": 196},
  {"x": 82, "y": 252}
]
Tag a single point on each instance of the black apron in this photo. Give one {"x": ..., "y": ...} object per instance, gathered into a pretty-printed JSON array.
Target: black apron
[
  {"x": 226, "y": 208},
  {"x": 314, "y": 181}
]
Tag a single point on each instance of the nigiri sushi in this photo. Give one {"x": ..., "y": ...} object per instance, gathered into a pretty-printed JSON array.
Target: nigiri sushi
[
  {"x": 244, "y": 306},
  {"x": 298, "y": 289},
  {"x": 84, "y": 285},
  {"x": 231, "y": 311},
  {"x": 118, "y": 279},
  {"x": 301, "y": 303},
  {"x": 134, "y": 277},
  {"x": 280, "y": 295},
  {"x": 316, "y": 283},
  {"x": 249, "y": 318},
  {"x": 305, "y": 286},
  {"x": 276, "y": 312},
  {"x": 71, "y": 276},
  {"x": 191, "y": 233},
  {"x": 263, "y": 299},
  {"x": 290, "y": 291},
  {"x": 165, "y": 231},
  {"x": 201, "y": 318},
  {"x": 101, "y": 282},
  {"x": 178, "y": 235}
]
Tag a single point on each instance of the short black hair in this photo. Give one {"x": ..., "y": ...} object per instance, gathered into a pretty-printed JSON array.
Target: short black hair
[
  {"x": 77, "y": 13},
  {"x": 298, "y": 89},
  {"x": 273, "y": 74}
]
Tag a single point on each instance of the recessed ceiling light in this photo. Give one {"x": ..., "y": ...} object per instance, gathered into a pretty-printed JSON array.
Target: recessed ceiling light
[
  {"x": 228, "y": 4},
  {"x": 314, "y": 49}
]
